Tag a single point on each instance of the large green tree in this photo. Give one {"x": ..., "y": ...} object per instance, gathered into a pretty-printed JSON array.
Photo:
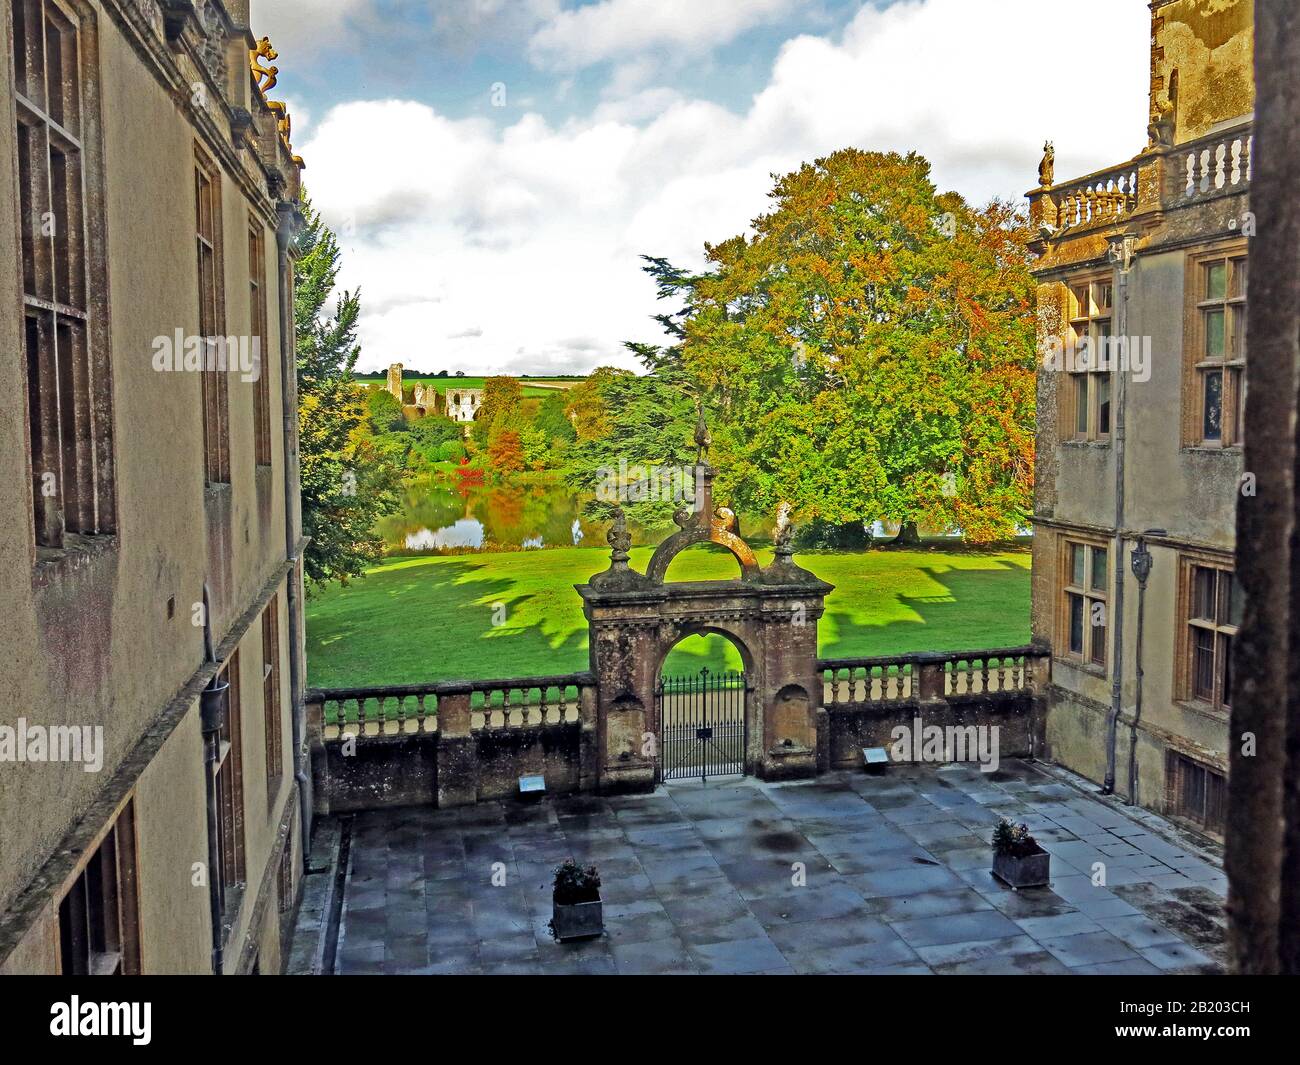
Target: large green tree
[
  {"x": 868, "y": 351},
  {"x": 637, "y": 426},
  {"x": 347, "y": 483}
]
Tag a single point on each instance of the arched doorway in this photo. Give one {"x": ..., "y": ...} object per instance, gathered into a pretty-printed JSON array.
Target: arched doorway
[
  {"x": 702, "y": 712},
  {"x": 635, "y": 619}
]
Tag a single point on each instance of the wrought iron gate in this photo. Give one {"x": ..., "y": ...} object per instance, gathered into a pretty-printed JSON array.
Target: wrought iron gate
[{"x": 701, "y": 725}]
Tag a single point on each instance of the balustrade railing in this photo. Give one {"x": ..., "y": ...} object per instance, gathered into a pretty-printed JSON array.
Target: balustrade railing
[
  {"x": 523, "y": 702},
  {"x": 846, "y": 681},
  {"x": 1218, "y": 163},
  {"x": 1099, "y": 198}
]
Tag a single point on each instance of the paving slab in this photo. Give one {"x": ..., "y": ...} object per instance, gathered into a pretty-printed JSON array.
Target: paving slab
[{"x": 848, "y": 874}]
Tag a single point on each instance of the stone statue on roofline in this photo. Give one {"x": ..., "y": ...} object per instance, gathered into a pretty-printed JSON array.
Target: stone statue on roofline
[{"x": 1047, "y": 168}]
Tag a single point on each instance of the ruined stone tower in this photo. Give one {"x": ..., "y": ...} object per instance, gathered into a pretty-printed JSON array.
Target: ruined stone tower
[{"x": 395, "y": 380}]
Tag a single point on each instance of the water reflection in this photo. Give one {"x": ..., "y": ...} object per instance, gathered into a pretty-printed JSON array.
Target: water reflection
[{"x": 441, "y": 515}]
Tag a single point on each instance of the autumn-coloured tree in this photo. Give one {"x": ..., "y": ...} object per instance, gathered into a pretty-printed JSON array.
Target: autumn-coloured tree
[
  {"x": 586, "y": 406},
  {"x": 506, "y": 451},
  {"x": 502, "y": 399},
  {"x": 869, "y": 351}
]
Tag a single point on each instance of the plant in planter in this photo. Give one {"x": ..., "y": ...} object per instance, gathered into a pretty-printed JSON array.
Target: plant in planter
[
  {"x": 1018, "y": 860},
  {"x": 576, "y": 911}
]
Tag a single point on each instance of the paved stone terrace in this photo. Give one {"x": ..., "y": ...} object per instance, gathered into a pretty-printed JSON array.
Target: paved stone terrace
[{"x": 701, "y": 880}]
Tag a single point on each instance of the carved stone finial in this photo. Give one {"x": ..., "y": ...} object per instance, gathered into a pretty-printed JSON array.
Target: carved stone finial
[
  {"x": 703, "y": 439},
  {"x": 1047, "y": 168},
  {"x": 619, "y": 576},
  {"x": 724, "y": 519},
  {"x": 783, "y": 534},
  {"x": 260, "y": 72},
  {"x": 619, "y": 539}
]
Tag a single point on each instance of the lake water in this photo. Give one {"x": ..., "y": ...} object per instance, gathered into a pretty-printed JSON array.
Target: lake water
[{"x": 440, "y": 514}]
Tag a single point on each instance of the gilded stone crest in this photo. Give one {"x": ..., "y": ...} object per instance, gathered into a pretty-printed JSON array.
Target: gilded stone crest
[{"x": 265, "y": 76}]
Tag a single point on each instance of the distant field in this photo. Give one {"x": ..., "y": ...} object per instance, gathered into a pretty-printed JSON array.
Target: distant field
[
  {"x": 533, "y": 387},
  {"x": 429, "y": 618}
]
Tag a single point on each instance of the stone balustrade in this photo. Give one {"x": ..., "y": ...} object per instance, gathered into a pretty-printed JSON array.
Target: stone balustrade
[
  {"x": 1100, "y": 198},
  {"x": 396, "y": 709},
  {"x": 928, "y": 675},
  {"x": 867, "y": 700},
  {"x": 1212, "y": 165}
]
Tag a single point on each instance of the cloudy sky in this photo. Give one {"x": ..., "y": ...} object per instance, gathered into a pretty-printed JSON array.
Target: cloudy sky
[{"x": 496, "y": 167}]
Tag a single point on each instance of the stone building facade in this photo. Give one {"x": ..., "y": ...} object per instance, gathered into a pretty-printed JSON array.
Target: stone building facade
[
  {"x": 1142, "y": 291},
  {"x": 148, "y": 200}
]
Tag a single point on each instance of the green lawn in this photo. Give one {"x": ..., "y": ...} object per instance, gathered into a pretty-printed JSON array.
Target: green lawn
[{"x": 430, "y": 617}]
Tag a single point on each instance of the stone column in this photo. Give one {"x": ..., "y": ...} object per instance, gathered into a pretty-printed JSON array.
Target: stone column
[
  {"x": 588, "y": 739},
  {"x": 457, "y": 750}
]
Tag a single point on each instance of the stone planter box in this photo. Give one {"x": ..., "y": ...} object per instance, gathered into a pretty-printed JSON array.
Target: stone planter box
[
  {"x": 1030, "y": 871},
  {"x": 577, "y": 920}
]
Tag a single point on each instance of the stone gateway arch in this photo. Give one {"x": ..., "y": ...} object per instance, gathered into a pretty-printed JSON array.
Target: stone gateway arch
[{"x": 770, "y": 614}]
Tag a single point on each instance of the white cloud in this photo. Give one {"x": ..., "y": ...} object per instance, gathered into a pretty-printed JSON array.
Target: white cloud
[
  {"x": 532, "y": 233},
  {"x": 612, "y": 29},
  {"x": 396, "y": 28},
  {"x": 304, "y": 26}
]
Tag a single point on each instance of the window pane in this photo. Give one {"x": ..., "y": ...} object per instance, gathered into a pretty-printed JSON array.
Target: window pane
[
  {"x": 1103, "y": 404},
  {"x": 1081, "y": 405},
  {"x": 1101, "y": 294},
  {"x": 1225, "y": 656},
  {"x": 1239, "y": 277},
  {"x": 1236, "y": 600},
  {"x": 1081, "y": 304},
  {"x": 1076, "y": 624},
  {"x": 1214, "y": 333},
  {"x": 1077, "y": 563},
  {"x": 1223, "y": 605},
  {"x": 1099, "y": 569},
  {"x": 1216, "y": 801},
  {"x": 1097, "y": 622},
  {"x": 1204, "y": 592},
  {"x": 1237, "y": 327},
  {"x": 1212, "y": 417},
  {"x": 1203, "y": 664},
  {"x": 1216, "y": 281},
  {"x": 1193, "y": 790}
]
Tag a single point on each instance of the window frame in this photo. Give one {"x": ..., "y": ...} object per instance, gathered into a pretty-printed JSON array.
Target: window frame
[
  {"x": 1181, "y": 771},
  {"x": 259, "y": 327},
  {"x": 117, "y": 844},
  {"x": 1094, "y": 637},
  {"x": 271, "y": 702},
  {"x": 228, "y": 772},
  {"x": 1199, "y": 365},
  {"x": 1223, "y": 633},
  {"x": 210, "y": 275},
  {"x": 1084, "y": 321},
  {"x": 62, "y": 277}
]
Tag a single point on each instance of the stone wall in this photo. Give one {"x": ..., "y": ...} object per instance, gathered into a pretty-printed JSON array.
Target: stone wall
[
  {"x": 1018, "y": 716},
  {"x": 382, "y": 772}
]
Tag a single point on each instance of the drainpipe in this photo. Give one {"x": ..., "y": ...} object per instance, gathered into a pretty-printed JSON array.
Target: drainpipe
[
  {"x": 1121, "y": 253},
  {"x": 284, "y": 235},
  {"x": 212, "y": 715},
  {"x": 1141, "y": 562}
]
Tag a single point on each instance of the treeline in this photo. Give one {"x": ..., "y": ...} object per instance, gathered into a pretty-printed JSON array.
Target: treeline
[{"x": 510, "y": 435}]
